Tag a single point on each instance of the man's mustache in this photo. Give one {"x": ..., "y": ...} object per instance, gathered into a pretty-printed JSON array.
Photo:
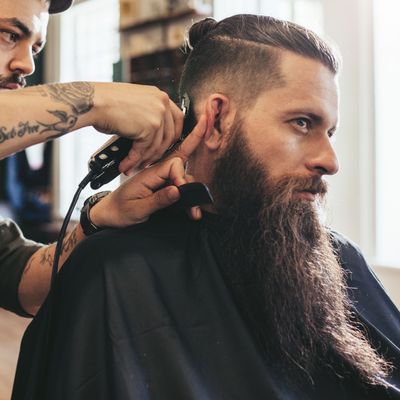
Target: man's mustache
[
  {"x": 314, "y": 186},
  {"x": 293, "y": 184},
  {"x": 15, "y": 78}
]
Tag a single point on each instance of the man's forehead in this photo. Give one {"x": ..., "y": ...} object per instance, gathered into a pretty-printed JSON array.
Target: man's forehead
[
  {"x": 31, "y": 15},
  {"x": 308, "y": 87},
  {"x": 25, "y": 9},
  {"x": 305, "y": 77},
  {"x": 299, "y": 70}
]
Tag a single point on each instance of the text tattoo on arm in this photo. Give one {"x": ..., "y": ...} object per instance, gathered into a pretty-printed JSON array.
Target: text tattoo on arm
[
  {"x": 70, "y": 242},
  {"x": 78, "y": 96}
]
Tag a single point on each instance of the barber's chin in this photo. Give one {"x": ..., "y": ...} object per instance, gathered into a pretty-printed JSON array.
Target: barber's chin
[{"x": 304, "y": 195}]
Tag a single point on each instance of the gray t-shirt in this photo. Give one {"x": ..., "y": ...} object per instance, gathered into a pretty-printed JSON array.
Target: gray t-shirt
[{"x": 15, "y": 251}]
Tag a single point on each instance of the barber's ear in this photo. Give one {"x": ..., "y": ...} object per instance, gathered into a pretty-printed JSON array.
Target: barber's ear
[{"x": 217, "y": 108}]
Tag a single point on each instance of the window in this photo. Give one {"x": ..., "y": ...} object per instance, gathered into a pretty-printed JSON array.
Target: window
[
  {"x": 305, "y": 12},
  {"x": 89, "y": 47},
  {"x": 387, "y": 89}
]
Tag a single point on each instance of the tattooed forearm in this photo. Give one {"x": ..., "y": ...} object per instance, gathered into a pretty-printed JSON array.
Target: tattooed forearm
[
  {"x": 70, "y": 242},
  {"x": 78, "y": 95},
  {"x": 29, "y": 265},
  {"x": 47, "y": 257},
  {"x": 65, "y": 124},
  {"x": 23, "y": 128}
]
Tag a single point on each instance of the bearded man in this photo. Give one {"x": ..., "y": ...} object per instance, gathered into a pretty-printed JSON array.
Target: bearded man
[{"x": 259, "y": 299}]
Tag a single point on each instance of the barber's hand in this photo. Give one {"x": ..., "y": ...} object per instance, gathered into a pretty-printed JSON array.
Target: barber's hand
[
  {"x": 145, "y": 193},
  {"x": 139, "y": 112}
]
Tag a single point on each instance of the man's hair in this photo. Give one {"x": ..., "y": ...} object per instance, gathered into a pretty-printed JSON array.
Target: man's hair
[{"x": 239, "y": 56}]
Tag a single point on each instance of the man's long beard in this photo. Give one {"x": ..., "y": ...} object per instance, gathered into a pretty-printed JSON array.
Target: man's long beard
[{"x": 283, "y": 270}]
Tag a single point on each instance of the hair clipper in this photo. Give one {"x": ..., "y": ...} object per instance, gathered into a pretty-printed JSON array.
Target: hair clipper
[{"x": 105, "y": 161}]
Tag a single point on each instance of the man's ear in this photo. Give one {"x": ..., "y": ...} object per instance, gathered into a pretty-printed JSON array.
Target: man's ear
[{"x": 217, "y": 109}]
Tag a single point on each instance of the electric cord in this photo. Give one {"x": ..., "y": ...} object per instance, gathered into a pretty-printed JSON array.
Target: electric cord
[
  {"x": 42, "y": 372},
  {"x": 61, "y": 235}
]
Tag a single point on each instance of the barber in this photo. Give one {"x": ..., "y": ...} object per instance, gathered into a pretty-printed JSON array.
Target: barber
[{"x": 33, "y": 115}]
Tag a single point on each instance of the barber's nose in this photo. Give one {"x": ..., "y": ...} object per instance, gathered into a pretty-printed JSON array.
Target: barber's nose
[
  {"x": 23, "y": 61},
  {"x": 324, "y": 160}
]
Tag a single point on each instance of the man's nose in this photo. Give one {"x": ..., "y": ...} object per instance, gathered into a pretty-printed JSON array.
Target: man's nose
[
  {"x": 323, "y": 160},
  {"x": 23, "y": 61}
]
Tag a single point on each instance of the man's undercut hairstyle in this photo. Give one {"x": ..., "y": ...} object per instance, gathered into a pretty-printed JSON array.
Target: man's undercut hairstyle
[{"x": 239, "y": 56}]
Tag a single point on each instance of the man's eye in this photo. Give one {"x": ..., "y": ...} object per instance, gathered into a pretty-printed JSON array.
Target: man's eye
[
  {"x": 10, "y": 37},
  {"x": 303, "y": 123},
  {"x": 332, "y": 136},
  {"x": 36, "y": 52}
]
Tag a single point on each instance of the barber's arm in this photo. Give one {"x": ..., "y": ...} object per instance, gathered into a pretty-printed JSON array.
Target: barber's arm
[
  {"x": 133, "y": 202},
  {"x": 40, "y": 113}
]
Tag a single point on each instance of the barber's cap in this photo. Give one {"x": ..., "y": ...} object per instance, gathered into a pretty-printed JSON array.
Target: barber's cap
[{"x": 57, "y": 6}]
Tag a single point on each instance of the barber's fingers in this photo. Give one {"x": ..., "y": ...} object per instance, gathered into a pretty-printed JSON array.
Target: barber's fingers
[
  {"x": 153, "y": 181},
  {"x": 185, "y": 149},
  {"x": 164, "y": 139},
  {"x": 158, "y": 175},
  {"x": 175, "y": 173},
  {"x": 167, "y": 133},
  {"x": 163, "y": 198},
  {"x": 132, "y": 159},
  {"x": 150, "y": 153},
  {"x": 143, "y": 194},
  {"x": 189, "y": 145},
  {"x": 193, "y": 212},
  {"x": 134, "y": 209},
  {"x": 159, "y": 199}
]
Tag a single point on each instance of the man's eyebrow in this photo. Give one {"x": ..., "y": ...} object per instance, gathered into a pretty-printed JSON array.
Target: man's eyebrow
[
  {"x": 314, "y": 117},
  {"x": 18, "y": 24}
]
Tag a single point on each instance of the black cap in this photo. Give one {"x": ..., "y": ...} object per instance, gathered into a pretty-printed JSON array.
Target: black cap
[{"x": 57, "y": 6}]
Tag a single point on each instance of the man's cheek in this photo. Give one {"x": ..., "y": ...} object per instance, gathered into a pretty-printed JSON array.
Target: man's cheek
[{"x": 3, "y": 64}]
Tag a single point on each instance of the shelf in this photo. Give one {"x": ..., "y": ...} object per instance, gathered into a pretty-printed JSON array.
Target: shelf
[{"x": 161, "y": 20}]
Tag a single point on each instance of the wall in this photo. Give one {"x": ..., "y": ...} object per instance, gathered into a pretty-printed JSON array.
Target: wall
[
  {"x": 390, "y": 278},
  {"x": 352, "y": 194}
]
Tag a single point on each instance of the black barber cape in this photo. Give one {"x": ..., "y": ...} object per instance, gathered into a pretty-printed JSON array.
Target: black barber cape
[{"x": 144, "y": 313}]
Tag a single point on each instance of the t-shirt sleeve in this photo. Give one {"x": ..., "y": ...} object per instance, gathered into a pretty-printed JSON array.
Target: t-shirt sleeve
[{"x": 15, "y": 251}]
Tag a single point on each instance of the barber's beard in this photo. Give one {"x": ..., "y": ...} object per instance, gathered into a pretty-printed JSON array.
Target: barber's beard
[
  {"x": 14, "y": 78},
  {"x": 283, "y": 271}
]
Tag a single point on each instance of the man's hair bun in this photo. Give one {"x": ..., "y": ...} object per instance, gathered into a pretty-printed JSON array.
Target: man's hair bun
[{"x": 200, "y": 30}]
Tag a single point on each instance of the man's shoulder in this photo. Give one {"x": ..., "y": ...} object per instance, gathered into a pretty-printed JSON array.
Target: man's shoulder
[
  {"x": 351, "y": 258},
  {"x": 164, "y": 232},
  {"x": 161, "y": 252},
  {"x": 8, "y": 226},
  {"x": 345, "y": 247},
  {"x": 11, "y": 235},
  {"x": 364, "y": 286}
]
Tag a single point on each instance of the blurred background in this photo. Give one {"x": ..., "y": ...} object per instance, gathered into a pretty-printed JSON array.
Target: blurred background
[{"x": 140, "y": 41}]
